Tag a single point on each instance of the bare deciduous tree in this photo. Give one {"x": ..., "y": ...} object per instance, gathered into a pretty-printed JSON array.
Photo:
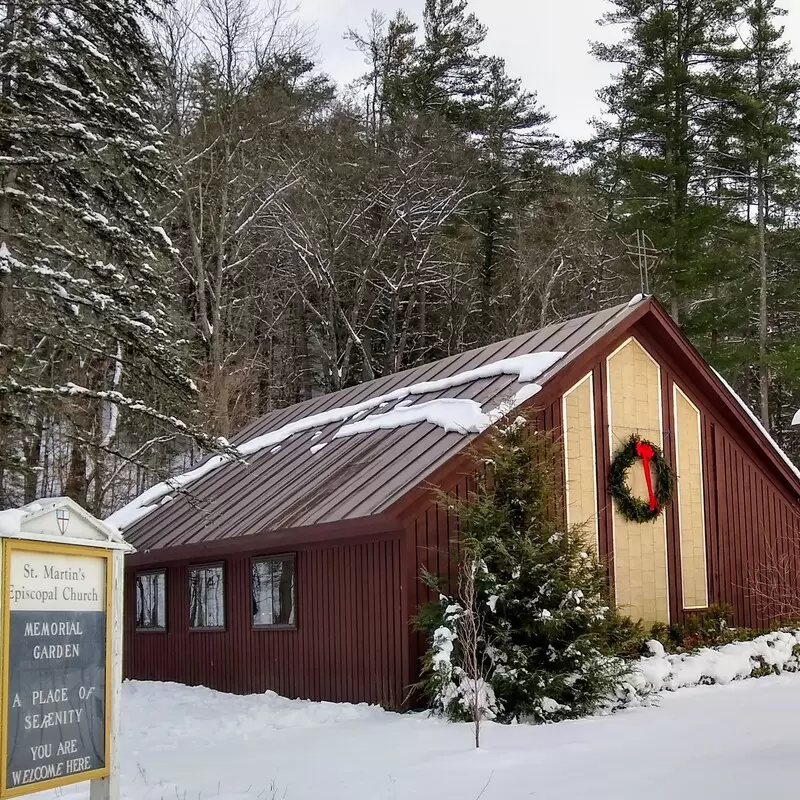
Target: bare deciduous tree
[
  {"x": 471, "y": 638},
  {"x": 773, "y": 583}
]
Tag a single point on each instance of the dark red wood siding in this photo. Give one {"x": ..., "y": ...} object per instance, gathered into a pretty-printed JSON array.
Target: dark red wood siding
[
  {"x": 751, "y": 519},
  {"x": 348, "y": 644}
]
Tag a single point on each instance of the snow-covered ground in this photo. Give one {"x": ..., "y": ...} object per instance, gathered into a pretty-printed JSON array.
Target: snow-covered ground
[{"x": 736, "y": 741}]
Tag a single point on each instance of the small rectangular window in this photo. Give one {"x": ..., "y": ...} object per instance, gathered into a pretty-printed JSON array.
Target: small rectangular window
[
  {"x": 207, "y": 597},
  {"x": 273, "y": 592},
  {"x": 151, "y": 601}
]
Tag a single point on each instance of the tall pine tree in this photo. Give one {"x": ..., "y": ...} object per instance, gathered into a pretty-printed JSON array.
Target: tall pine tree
[
  {"x": 509, "y": 130},
  {"x": 651, "y": 151},
  {"x": 84, "y": 300},
  {"x": 764, "y": 88},
  {"x": 449, "y": 65}
]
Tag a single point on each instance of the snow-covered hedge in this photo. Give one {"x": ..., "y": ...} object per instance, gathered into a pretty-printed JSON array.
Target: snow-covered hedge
[{"x": 769, "y": 654}]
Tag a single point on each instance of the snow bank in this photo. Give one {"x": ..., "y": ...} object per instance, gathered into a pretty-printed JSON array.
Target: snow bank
[
  {"x": 228, "y": 716},
  {"x": 737, "y": 742},
  {"x": 465, "y": 416},
  {"x": 195, "y": 707},
  {"x": 771, "y": 653},
  {"x": 796, "y": 418}
]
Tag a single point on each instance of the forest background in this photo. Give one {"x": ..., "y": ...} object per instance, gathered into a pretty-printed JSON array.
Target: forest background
[{"x": 199, "y": 225}]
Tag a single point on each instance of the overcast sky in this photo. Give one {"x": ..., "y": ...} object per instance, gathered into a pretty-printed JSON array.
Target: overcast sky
[{"x": 544, "y": 42}]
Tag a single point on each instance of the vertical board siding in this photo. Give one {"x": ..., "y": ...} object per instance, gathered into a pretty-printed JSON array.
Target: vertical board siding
[
  {"x": 748, "y": 519},
  {"x": 347, "y": 645},
  {"x": 711, "y": 506},
  {"x": 580, "y": 458},
  {"x": 641, "y": 578},
  {"x": 432, "y": 551},
  {"x": 671, "y": 514},
  {"x": 690, "y": 500},
  {"x": 605, "y": 507}
]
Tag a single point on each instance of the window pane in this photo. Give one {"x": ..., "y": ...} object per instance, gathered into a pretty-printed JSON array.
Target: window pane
[
  {"x": 151, "y": 612},
  {"x": 262, "y": 593},
  {"x": 206, "y": 597},
  {"x": 273, "y": 592},
  {"x": 284, "y": 587}
]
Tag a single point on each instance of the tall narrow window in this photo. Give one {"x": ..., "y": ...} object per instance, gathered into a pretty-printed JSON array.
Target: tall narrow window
[
  {"x": 151, "y": 601},
  {"x": 207, "y": 597},
  {"x": 273, "y": 592}
]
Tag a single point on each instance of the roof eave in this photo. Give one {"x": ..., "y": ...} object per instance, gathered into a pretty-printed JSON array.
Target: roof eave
[{"x": 358, "y": 529}]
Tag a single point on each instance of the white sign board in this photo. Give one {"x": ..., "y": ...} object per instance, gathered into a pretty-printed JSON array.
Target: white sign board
[
  {"x": 60, "y": 650},
  {"x": 55, "y": 662}
]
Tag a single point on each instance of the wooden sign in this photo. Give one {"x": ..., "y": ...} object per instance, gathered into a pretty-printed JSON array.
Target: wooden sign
[{"x": 55, "y": 666}]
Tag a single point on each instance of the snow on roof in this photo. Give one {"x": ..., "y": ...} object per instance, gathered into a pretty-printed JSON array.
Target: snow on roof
[
  {"x": 796, "y": 418},
  {"x": 451, "y": 414},
  {"x": 775, "y": 446},
  {"x": 11, "y": 520},
  {"x": 14, "y": 521},
  {"x": 637, "y": 298},
  {"x": 160, "y": 493}
]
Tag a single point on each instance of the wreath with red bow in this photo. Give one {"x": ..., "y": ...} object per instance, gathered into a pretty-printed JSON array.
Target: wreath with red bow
[{"x": 657, "y": 474}]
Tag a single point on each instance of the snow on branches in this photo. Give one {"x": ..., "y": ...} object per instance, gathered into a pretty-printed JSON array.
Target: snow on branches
[{"x": 86, "y": 303}]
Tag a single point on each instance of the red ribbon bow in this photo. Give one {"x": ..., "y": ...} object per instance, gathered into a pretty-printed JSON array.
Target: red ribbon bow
[{"x": 645, "y": 452}]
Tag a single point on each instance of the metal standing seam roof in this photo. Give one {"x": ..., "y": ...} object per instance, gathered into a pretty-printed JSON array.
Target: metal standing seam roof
[{"x": 358, "y": 475}]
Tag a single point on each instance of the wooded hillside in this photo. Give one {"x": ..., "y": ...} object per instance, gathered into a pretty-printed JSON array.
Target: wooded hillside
[{"x": 198, "y": 226}]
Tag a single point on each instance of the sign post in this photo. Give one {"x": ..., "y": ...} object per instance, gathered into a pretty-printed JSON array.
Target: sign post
[{"x": 60, "y": 651}]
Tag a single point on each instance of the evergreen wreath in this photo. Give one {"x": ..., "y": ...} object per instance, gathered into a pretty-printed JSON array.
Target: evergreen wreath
[{"x": 660, "y": 490}]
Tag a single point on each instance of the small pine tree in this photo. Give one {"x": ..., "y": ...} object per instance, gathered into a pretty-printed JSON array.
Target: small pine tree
[{"x": 546, "y": 624}]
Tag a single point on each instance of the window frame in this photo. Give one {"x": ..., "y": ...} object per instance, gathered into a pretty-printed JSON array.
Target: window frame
[
  {"x": 137, "y": 628},
  {"x": 206, "y": 628},
  {"x": 279, "y": 626}
]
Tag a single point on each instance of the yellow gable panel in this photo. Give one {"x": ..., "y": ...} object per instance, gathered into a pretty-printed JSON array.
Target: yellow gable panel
[
  {"x": 580, "y": 460},
  {"x": 691, "y": 511},
  {"x": 640, "y": 549}
]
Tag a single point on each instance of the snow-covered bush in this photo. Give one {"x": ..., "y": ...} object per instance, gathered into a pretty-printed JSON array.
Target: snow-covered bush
[{"x": 545, "y": 619}]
